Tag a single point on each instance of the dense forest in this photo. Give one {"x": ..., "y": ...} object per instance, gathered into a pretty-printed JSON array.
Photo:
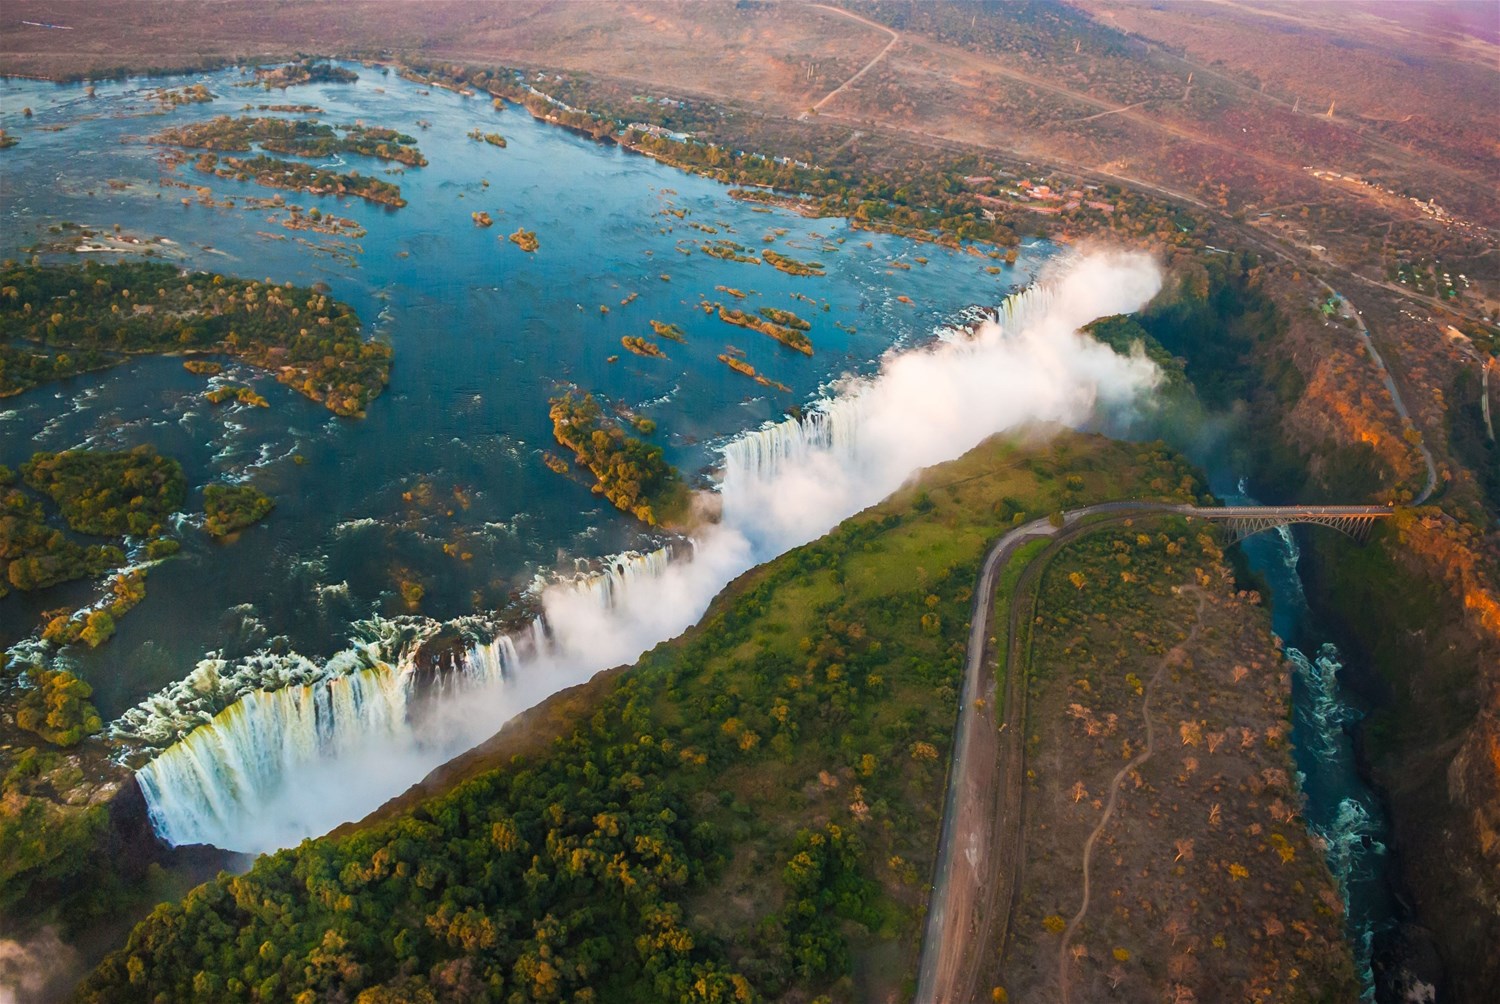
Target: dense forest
[
  {"x": 99, "y": 493},
  {"x": 632, "y": 474},
  {"x": 110, "y": 494},
  {"x": 737, "y": 817},
  {"x": 60, "y": 320},
  {"x": 36, "y": 555}
]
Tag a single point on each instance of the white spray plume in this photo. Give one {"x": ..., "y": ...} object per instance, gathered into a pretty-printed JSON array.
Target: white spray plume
[
  {"x": 923, "y": 407},
  {"x": 37, "y": 969}
]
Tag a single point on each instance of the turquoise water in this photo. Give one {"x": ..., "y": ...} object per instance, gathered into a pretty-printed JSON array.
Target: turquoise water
[
  {"x": 1340, "y": 808},
  {"x": 483, "y": 334}
]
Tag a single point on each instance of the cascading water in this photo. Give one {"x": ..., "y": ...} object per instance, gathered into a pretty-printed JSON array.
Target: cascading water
[
  {"x": 201, "y": 788},
  {"x": 275, "y": 767},
  {"x": 1339, "y": 808},
  {"x": 206, "y": 787}
]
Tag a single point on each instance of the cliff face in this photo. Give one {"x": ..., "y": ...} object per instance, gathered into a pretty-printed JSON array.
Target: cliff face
[{"x": 1418, "y": 607}]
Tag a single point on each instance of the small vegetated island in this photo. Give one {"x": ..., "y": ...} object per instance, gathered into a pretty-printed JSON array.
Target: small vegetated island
[
  {"x": 740, "y": 366},
  {"x": 791, "y": 337},
  {"x": 99, "y": 493},
  {"x": 643, "y": 347},
  {"x": 230, "y": 508},
  {"x": 61, "y": 320},
  {"x": 727, "y": 250},
  {"x": 632, "y": 474},
  {"x": 236, "y": 392},
  {"x": 302, "y": 71},
  {"x": 791, "y": 266},
  {"x": 492, "y": 138},
  {"x": 671, "y": 332},
  {"x": 785, "y": 318},
  {"x": 110, "y": 494},
  {"x": 299, "y": 177},
  {"x": 294, "y": 137},
  {"x": 173, "y": 97}
]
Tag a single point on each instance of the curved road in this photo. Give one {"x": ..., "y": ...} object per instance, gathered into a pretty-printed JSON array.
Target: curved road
[
  {"x": 973, "y": 881},
  {"x": 1347, "y": 309}
]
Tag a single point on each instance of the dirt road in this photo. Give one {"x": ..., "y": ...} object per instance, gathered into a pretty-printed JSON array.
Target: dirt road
[{"x": 895, "y": 37}]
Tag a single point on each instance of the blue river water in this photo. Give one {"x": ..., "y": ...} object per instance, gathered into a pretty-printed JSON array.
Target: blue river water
[
  {"x": 1340, "y": 808},
  {"x": 448, "y": 461}
]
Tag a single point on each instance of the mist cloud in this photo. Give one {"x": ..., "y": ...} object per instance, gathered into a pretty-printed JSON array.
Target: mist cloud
[{"x": 922, "y": 407}]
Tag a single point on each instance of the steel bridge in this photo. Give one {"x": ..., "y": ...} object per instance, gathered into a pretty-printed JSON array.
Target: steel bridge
[{"x": 1354, "y": 521}]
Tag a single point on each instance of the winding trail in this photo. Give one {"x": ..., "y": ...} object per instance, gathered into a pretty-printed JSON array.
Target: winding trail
[
  {"x": 1171, "y": 658},
  {"x": 895, "y": 37},
  {"x": 976, "y": 871}
]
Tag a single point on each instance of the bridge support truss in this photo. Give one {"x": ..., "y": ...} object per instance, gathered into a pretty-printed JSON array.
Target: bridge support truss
[{"x": 1356, "y": 526}]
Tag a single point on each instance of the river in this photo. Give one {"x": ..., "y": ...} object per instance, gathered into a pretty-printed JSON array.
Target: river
[
  {"x": 1340, "y": 807},
  {"x": 483, "y": 334}
]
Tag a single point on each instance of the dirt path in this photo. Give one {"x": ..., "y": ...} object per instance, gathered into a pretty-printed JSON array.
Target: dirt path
[
  {"x": 1172, "y": 658},
  {"x": 975, "y": 881},
  {"x": 895, "y": 37}
]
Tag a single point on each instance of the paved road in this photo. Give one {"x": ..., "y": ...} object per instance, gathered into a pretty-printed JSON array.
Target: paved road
[
  {"x": 1350, "y": 311},
  {"x": 979, "y": 842},
  {"x": 960, "y": 909}
]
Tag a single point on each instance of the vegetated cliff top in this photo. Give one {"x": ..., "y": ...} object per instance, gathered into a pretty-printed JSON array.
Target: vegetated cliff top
[{"x": 750, "y": 808}]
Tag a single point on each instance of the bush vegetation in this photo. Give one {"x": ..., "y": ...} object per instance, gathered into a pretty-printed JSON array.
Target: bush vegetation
[
  {"x": 633, "y": 475},
  {"x": 110, "y": 494},
  {"x": 736, "y": 818},
  {"x": 273, "y": 172},
  {"x": 234, "y": 507},
  {"x": 56, "y": 707},
  {"x": 59, "y": 320},
  {"x": 296, "y": 137}
]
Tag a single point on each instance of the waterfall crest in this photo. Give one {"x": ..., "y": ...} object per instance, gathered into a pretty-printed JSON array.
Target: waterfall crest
[
  {"x": 274, "y": 767},
  {"x": 282, "y": 714}
]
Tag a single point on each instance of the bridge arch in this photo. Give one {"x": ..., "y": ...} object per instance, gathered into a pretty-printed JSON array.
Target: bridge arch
[{"x": 1246, "y": 521}]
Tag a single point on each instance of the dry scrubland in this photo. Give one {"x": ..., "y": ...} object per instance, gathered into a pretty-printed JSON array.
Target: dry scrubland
[
  {"x": 1107, "y": 94},
  {"x": 1229, "y": 151},
  {"x": 1202, "y": 877}
]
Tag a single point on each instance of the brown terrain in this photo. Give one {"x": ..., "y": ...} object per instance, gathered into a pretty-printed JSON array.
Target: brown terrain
[
  {"x": 1219, "y": 105},
  {"x": 1352, "y": 144},
  {"x": 1162, "y": 857}
]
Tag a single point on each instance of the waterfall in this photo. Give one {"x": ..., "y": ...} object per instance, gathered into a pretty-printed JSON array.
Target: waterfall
[
  {"x": 609, "y": 585},
  {"x": 257, "y": 767},
  {"x": 206, "y": 786},
  {"x": 831, "y": 425},
  {"x": 211, "y": 783}
]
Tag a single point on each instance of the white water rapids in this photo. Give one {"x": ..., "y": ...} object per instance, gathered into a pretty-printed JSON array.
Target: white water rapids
[{"x": 329, "y": 744}]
